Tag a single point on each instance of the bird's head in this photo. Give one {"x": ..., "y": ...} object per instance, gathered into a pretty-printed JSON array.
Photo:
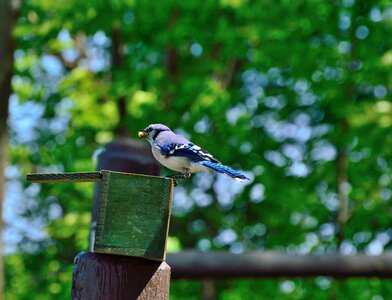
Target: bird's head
[{"x": 152, "y": 131}]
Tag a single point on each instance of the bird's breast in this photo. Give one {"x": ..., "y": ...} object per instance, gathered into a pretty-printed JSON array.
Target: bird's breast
[{"x": 175, "y": 163}]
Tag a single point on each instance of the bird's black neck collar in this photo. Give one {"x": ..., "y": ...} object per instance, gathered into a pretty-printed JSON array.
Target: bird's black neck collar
[{"x": 157, "y": 132}]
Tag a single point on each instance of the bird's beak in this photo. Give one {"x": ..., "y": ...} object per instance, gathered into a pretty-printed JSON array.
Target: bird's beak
[{"x": 142, "y": 134}]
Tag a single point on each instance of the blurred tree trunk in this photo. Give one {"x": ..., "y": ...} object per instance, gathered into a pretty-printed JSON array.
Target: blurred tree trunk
[
  {"x": 342, "y": 186},
  {"x": 342, "y": 161},
  {"x": 8, "y": 15},
  {"x": 171, "y": 64},
  {"x": 209, "y": 291},
  {"x": 117, "y": 52},
  {"x": 342, "y": 183}
]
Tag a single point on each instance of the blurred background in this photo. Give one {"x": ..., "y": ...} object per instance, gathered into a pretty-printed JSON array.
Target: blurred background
[{"x": 295, "y": 94}]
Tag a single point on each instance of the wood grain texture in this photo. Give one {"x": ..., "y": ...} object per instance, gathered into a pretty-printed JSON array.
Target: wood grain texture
[
  {"x": 134, "y": 214},
  {"x": 112, "y": 277},
  {"x": 65, "y": 177}
]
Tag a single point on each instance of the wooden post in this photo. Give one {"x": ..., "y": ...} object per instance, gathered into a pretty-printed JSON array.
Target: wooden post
[{"x": 103, "y": 276}]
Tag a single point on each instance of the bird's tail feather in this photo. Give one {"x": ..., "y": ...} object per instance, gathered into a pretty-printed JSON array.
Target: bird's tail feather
[{"x": 224, "y": 170}]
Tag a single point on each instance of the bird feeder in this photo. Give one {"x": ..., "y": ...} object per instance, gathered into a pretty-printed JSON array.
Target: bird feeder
[{"x": 133, "y": 214}]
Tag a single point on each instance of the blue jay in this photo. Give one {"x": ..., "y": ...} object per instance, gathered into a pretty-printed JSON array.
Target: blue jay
[{"x": 179, "y": 154}]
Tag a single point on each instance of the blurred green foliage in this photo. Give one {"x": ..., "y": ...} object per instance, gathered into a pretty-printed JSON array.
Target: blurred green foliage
[{"x": 295, "y": 93}]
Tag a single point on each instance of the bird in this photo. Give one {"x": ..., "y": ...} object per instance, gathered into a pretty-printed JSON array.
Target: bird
[{"x": 181, "y": 155}]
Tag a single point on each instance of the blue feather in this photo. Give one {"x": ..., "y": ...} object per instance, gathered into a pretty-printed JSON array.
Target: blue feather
[
  {"x": 223, "y": 169},
  {"x": 191, "y": 151}
]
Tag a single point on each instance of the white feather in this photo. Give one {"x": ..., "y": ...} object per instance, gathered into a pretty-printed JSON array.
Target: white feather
[{"x": 177, "y": 163}]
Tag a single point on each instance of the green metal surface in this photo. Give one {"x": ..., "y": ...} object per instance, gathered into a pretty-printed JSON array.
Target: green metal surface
[{"x": 134, "y": 215}]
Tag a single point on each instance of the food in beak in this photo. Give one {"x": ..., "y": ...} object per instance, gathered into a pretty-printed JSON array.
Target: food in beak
[{"x": 142, "y": 134}]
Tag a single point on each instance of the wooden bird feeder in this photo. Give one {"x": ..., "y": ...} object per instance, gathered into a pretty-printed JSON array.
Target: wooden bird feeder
[{"x": 134, "y": 211}]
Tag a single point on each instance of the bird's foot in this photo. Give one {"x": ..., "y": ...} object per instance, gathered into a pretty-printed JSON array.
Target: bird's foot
[
  {"x": 178, "y": 176},
  {"x": 175, "y": 182}
]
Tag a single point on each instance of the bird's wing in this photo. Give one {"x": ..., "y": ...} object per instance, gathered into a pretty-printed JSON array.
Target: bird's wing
[{"x": 191, "y": 151}]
